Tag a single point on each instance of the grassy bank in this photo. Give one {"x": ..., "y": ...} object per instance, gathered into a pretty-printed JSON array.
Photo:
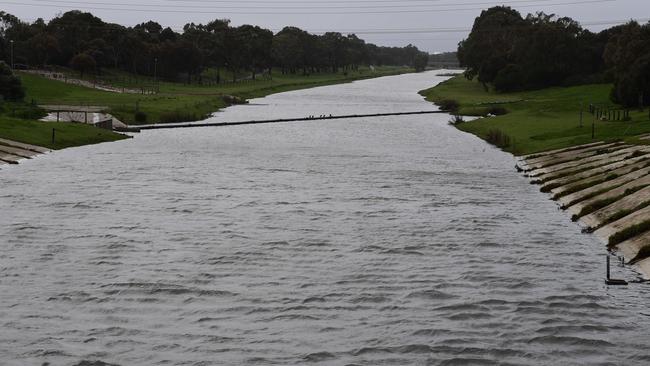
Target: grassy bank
[
  {"x": 178, "y": 102},
  {"x": 66, "y": 134},
  {"x": 536, "y": 120}
]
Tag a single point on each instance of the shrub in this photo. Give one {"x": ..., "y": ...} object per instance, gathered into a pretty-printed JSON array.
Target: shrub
[
  {"x": 456, "y": 119},
  {"x": 140, "y": 117},
  {"x": 497, "y": 111},
  {"x": 231, "y": 99},
  {"x": 497, "y": 138},
  {"x": 177, "y": 116},
  {"x": 10, "y": 86},
  {"x": 448, "y": 105}
]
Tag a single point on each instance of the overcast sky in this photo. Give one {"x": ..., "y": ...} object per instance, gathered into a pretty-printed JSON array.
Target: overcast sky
[{"x": 432, "y": 25}]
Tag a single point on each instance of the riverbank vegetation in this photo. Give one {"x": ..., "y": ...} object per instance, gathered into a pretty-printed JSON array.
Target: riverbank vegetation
[
  {"x": 89, "y": 45},
  {"x": 153, "y": 74},
  {"x": 544, "y": 81},
  {"x": 178, "y": 102},
  {"x": 538, "y": 120},
  {"x": 65, "y": 134},
  {"x": 19, "y": 120}
]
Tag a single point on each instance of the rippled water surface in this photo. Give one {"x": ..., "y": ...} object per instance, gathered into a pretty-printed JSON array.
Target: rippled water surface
[{"x": 388, "y": 241}]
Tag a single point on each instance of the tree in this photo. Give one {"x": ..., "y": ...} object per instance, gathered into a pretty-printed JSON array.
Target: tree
[
  {"x": 421, "y": 61},
  {"x": 83, "y": 63},
  {"x": 10, "y": 86},
  {"x": 488, "y": 46},
  {"x": 541, "y": 50},
  {"x": 43, "y": 46},
  {"x": 628, "y": 55}
]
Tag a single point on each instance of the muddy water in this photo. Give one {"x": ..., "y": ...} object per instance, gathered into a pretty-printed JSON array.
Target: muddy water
[{"x": 396, "y": 241}]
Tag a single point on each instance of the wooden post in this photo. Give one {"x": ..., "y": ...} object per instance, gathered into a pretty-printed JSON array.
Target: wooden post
[
  {"x": 53, "y": 133},
  {"x": 580, "y": 117},
  {"x": 86, "y": 116},
  {"x": 57, "y": 115},
  {"x": 608, "y": 274},
  {"x": 593, "y": 129}
]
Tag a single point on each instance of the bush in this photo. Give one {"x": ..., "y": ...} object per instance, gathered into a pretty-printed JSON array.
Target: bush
[
  {"x": 231, "y": 99},
  {"x": 10, "y": 86},
  {"x": 448, "y": 105},
  {"x": 456, "y": 119},
  {"x": 140, "y": 117},
  {"x": 177, "y": 116},
  {"x": 497, "y": 111},
  {"x": 497, "y": 138}
]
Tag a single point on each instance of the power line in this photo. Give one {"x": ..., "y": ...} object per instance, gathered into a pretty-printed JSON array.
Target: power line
[
  {"x": 320, "y": 7},
  {"x": 177, "y": 11},
  {"x": 424, "y": 30}
]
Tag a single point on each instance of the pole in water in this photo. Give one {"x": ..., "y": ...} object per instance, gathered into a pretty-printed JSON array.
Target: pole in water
[{"x": 613, "y": 282}]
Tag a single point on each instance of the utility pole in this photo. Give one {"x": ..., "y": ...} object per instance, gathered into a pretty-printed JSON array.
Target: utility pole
[{"x": 12, "y": 53}]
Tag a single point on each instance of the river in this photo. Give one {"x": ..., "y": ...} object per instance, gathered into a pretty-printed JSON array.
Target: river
[{"x": 384, "y": 241}]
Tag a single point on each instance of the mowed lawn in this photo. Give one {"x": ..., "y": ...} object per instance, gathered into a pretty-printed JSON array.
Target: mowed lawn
[
  {"x": 539, "y": 120},
  {"x": 66, "y": 134}
]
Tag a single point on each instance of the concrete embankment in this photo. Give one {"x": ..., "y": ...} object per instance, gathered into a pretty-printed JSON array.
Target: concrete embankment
[
  {"x": 606, "y": 188},
  {"x": 11, "y": 152}
]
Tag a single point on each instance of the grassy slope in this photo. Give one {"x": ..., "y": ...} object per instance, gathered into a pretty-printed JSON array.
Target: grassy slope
[
  {"x": 198, "y": 101},
  {"x": 40, "y": 133},
  {"x": 538, "y": 120}
]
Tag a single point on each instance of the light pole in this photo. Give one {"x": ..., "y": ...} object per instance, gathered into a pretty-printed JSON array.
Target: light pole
[
  {"x": 12, "y": 53},
  {"x": 155, "y": 73}
]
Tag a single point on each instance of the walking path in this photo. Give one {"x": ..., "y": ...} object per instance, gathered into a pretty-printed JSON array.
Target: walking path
[{"x": 95, "y": 85}]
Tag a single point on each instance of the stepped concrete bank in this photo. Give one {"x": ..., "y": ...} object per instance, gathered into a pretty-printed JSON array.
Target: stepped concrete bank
[
  {"x": 606, "y": 189},
  {"x": 11, "y": 152}
]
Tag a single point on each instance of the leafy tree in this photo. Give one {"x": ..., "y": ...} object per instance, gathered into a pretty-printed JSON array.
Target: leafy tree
[
  {"x": 628, "y": 55},
  {"x": 10, "y": 86},
  {"x": 83, "y": 63},
  {"x": 488, "y": 47},
  {"x": 43, "y": 47},
  {"x": 81, "y": 40},
  {"x": 514, "y": 53}
]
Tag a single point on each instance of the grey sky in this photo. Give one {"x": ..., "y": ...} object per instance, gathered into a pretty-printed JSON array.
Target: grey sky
[{"x": 444, "y": 22}]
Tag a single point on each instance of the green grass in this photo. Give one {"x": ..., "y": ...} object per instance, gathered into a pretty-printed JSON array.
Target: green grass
[
  {"x": 595, "y": 206},
  {"x": 182, "y": 101},
  {"x": 624, "y": 212},
  {"x": 538, "y": 120},
  {"x": 629, "y": 233},
  {"x": 66, "y": 135},
  {"x": 643, "y": 253}
]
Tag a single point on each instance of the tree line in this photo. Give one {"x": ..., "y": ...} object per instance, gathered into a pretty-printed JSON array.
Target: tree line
[
  {"x": 85, "y": 42},
  {"x": 511, "y": 52}
]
